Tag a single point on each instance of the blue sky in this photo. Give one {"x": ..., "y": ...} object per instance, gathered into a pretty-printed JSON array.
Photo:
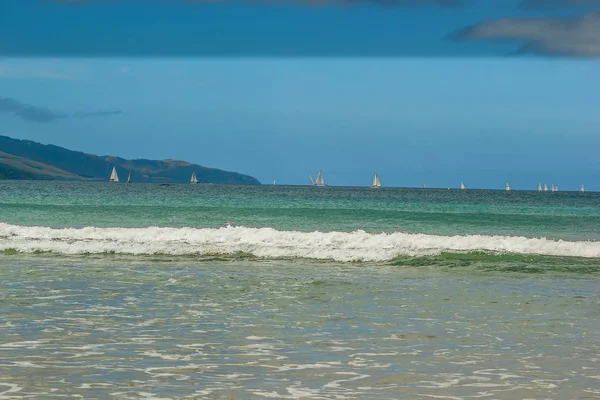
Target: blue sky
[{"x": 393, "y": 91}]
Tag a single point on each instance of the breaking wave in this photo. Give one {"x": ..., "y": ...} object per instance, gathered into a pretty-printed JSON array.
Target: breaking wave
[{"x": 271, "y": 243}]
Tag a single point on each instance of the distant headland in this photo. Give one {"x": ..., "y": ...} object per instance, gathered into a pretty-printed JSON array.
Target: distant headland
[{"x": 25, "y": 159}]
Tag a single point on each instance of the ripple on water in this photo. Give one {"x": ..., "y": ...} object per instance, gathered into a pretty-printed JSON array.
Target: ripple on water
[{"x": 254, "y": 330}]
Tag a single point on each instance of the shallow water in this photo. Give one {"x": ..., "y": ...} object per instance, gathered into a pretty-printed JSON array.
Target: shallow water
[{"x": 285, "y": 329}]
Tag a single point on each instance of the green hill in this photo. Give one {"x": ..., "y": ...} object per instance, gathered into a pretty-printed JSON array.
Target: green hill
[{"x": 25, "y": 159}]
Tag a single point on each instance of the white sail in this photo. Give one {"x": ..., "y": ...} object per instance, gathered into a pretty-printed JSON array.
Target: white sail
[
  {"x": 320, "y": 181},
  {"x": 193, "y": 179},
  {"x": 462, "y": 186},
  {"x": 545, "y": 187},
  {"x": 312, "y": 181},
  {"x": 540, "y": 187},
  {"x": 582, "y": 188},
  {"x": 376, "y": 182},
  {"x": 113, "y": 176},
  {"x": 274, "y": 182},
  {"x": 507, "y": 187}
]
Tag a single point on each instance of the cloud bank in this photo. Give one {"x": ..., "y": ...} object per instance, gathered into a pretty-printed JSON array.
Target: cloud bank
[
  {"x": 40, "y": 114},
  {"x": 566, "y": 36}
]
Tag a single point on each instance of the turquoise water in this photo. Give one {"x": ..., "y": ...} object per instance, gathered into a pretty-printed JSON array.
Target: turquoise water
[
  {"x": 562, "y": 215},
  {"x": 340, "y": 224},
  {"x": 224, "y": 292}
]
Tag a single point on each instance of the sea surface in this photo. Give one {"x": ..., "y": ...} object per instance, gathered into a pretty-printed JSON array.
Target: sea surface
[{"x": 147, "y": 291}]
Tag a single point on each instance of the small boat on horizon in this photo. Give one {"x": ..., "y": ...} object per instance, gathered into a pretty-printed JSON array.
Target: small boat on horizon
[
  {"x": 129, "y": 177},
  {"x": 540, "y": 187},
  {"x": 113, "y": 176},
  {"x": 507, "y": 187},
  {"x": 462, "y": 186},
  {"x": 545, "y": 187},
  {"x": 319, "y": 182},
  {"x": 582, "y": 189},
  {"x": 376, "y": 183},
  {"x": 194, "y": 179}
]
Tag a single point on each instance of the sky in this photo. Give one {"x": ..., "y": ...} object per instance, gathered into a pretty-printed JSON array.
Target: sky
[{"x": 419, "y": 91}]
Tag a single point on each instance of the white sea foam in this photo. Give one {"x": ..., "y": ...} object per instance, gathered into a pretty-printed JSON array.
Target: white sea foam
[{"x": 271, "y": 243}]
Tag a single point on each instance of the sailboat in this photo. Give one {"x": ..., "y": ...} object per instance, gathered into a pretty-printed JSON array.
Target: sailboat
[
  {"x": 129, "y": 177},
  {"x": 462, "y": 186},
  {"x": 554, "y": 188},
  {"x": 274, "y": 182},
  {"x": 540, "y": 187},
  {"x": 545, "y": 187},
  {"x": 376, "y": 183},
  {"x": 113, "y": 176},
  {"x": 507, "y": 187},
  {"x": 193, "y": 179},
  {"x": 320, "y": 181},
  {"x": 582, "y": 189}
]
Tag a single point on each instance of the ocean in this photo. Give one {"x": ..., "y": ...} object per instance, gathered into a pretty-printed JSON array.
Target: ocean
[{"x": 117, "y": 291}]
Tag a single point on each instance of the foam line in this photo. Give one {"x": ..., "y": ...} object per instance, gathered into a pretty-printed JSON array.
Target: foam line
[{"x": 271, "y": 243}]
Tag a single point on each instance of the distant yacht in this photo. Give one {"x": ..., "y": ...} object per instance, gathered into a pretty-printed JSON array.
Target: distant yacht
[
  {"x": 545, "y": 187},
  {"x": 540, "y": 187},
  {"x": 554, "y": 188},
  {"x": 274, "y": 182},
  {"x": 423, "y": 186},
  {"x": 582, "y": 189},
  {"x": 376, "y": 183},
  {"x": 319, "y": 181},
  {"x": 462, "y": 186},
  {"x": 194, "y": 179},
  {"x": 113, "y": 176},
  {"x": 507, "y": 187}
]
